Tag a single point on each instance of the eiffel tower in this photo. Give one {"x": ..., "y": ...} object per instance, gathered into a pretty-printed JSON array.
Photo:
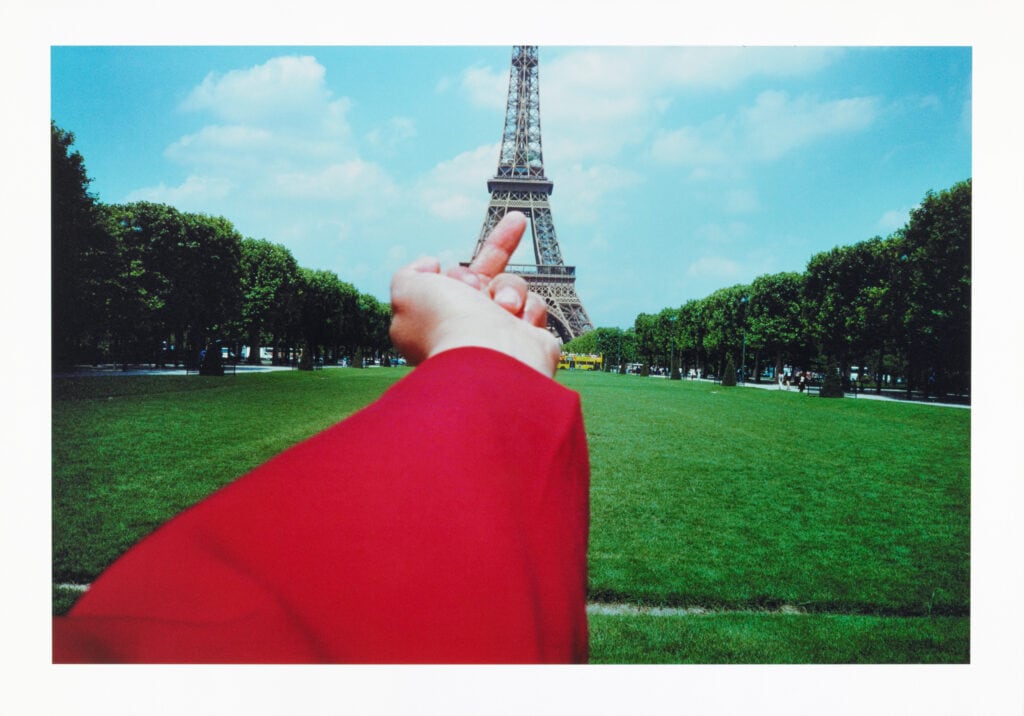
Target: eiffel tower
[{"x": 520, "y": 185}]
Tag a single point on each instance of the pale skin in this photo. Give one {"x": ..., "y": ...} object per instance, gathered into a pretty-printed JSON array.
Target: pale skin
[{"x": 478, "y": 305}]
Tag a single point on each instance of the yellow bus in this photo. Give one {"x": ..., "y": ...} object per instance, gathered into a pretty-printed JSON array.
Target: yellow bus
[{"x": 580, "y": 361}]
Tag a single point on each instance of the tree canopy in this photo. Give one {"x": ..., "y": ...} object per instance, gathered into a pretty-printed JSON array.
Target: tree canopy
[
  {"x": 132, "y": 281},
  {"x": 144, "y": 282},
  {"x": 896, "y": 309}
]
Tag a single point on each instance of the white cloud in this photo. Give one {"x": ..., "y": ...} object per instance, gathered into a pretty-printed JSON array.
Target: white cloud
[
  {"x": 714, "y": 267},
  {"x": 741, "y": 201},
  {"x": 598, "y": 101},
  {"x": 280, "y": 137},
  {"x": 485, "y": 87},
  {"x": 774, "y": 125},
  {"x": 280, "y": 87},
  {"x": 395, "y": 132},
  {"x": 276, "y": 115},
  {"x": 592, "y": 189},
  {"x": 191, "y": 195},
  {"x": 966, "y": 117},
  {"x": 715, "y": 234},
  {"x": 354, "y": 179},
  {"x": 708, "y": 145},
  {"x": 456, "y": 188},
  {"x": 223, "y": 148},
  {"x": 777, "y": 124},
  {"x": 275, "y": 154},
  {"x": 398, "y": 254},
  {"x": 648, "y": 71},
  {"x": 893, "y": 219}
]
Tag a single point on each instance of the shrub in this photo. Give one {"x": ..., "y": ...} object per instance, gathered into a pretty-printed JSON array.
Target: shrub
[
  {"x": 831, "y": 385},
  {"x": 729, "y": 374}
]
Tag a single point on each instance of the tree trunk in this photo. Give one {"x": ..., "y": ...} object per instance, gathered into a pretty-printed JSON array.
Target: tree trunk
[
  {"x": 254, "y": 347},
  {"x": 306, "y": 359},
  {"x": 879, "y": 369}
]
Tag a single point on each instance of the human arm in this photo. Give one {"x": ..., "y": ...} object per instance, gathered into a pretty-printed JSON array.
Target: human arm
[{"x": 445, "y": 523}]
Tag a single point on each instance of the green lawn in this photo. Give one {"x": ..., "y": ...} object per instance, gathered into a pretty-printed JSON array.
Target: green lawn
[
  {"x": 744, "y": 498},
  {"x": 855, "y": 512},
  {"x": 131, "y": 452},
  {"x": 752, "y": 638}
]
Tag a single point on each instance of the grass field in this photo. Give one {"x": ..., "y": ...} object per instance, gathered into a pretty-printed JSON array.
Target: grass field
[{"x": 851, "y": 515}]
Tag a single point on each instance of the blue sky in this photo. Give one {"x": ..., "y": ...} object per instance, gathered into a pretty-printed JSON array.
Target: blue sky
[{"x": 677, "y": 170}]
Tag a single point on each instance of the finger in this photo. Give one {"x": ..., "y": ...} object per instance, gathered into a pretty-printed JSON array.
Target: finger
[
  {"x": 509, "y": 292},
  {"x": 464, "y": 274},
  {"x": 401, "y": 278},
  {"x": 499, "y": 246},
  {"x": 425, "y": 264},
  {"x": 536, "y": 310}
]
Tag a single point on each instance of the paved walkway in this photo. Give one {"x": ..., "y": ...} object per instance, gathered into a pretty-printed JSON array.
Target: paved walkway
[
  {"x": 85, "y": 371},
  {"x": 867, "y": 395},
  {"x": 244, "y": 368}
]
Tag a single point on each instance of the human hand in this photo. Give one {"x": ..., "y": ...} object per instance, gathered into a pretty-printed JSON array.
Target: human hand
[{"x": 478, "y": 305}]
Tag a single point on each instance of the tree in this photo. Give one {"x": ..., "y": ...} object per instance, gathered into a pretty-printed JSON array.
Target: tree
[
  {"x": 630, "y": 352},
  {"x": 207, "y": 281},
  {"x": 902, "y": 301},
  {"x": 723, "y": 315},
  {"x": 691, "y": 334},
  {"x": 937, "y": 290},
  {"x": 83, "y": 258},
  {"x": 833, "y": 286},
  {"x": 667, "y": 324},
  {"x": 269, "y": 276},
  {"x": 775, "y": 320},
  {"x": 327, "y": 314},
  {"x": 645, "y": 329},
  {"x": 372, "y": 319},
  {"x": 878, "y": 304},
  {"x": 140, "y": 291},
  {"x": 585, "y": 344},
  {"x": 613, "y": 344},
  {"x": 178, "y": 278}
]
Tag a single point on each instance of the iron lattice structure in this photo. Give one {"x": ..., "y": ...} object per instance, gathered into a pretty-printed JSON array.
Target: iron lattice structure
[{"x": 520, "y": 185}]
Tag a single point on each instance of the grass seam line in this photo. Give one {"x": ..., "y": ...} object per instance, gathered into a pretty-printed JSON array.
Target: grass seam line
[{"x": 604, "y": 608}]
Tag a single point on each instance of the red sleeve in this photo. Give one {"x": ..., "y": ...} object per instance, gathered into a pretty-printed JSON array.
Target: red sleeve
[{"x": 445, "y": 523}]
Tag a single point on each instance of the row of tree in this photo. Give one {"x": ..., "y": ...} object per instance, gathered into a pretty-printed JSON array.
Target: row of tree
[
  {"x": 130, "y": 281},
  {"x": 144, "y": 282},
  {"x": 898, "y": 309}
]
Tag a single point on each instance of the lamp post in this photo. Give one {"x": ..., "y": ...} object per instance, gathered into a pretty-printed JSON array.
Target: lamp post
[
  {"x": 673, "y": 371},
  {"x": 743, "y": 352}
]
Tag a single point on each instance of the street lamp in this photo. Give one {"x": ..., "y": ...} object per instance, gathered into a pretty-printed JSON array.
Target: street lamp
[
  {"x": 673, "y": 371},
  {"x": 743, "y": 352}
]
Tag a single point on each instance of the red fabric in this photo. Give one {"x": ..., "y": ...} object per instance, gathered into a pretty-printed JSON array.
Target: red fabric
[{"x": 445, "y": 523}]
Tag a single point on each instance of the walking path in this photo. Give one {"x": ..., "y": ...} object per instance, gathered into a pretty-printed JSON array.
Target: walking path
[
  {"x": 85, "y": 371},
  {"x": 637, "y": 610},
  {"x": 604, "y": 608},
  {"x": 867, "y": 395},
  {"x": 245, "y": 368}
]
